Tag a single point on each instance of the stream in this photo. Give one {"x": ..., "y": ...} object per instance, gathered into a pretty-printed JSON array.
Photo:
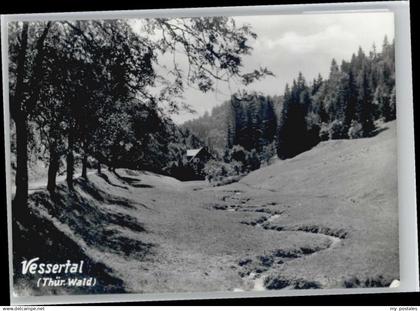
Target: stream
[{"x": 258, "y": 280}]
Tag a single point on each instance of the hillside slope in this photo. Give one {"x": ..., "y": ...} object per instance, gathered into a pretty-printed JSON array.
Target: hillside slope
[{"x": 349, "y": 168}]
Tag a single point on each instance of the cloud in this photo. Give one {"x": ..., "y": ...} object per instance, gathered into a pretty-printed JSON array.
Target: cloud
[{"x": 306, "y": 44}]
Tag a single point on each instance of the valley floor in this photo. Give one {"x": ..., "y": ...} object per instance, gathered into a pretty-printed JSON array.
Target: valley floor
[{"x": 327, "y": 218}]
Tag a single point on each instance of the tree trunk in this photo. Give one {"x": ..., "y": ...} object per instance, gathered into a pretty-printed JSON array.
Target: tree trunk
[
  {"x": 19, "y": 112},
  {"x": 20, "y": 116},
  {"x": 20, "y": 202},
  {"x": 53, "y": 169},
  {"x": 70, "y": 160},
  {"x": 84, "y": 165},
  {"x": 99, "y": 167}
]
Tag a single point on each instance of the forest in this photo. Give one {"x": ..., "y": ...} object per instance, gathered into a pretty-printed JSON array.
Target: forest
[{"x": 346, "y": 105}]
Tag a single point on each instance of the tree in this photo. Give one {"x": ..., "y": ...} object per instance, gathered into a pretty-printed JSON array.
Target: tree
[
  {"x": 268, "y": 121},
  {"x": 350, "y": 100},
  {"x": 293, "y": 130},
  {"x": 22, "y": 102},
  {"x": 335, "y": 98},
  {"x": 393, "y": 104},
  {"x": 365, "y": 107}
]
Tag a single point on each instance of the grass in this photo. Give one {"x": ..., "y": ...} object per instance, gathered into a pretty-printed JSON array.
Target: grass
[
  {"x": 346, "y": 189},
  {"x": 327, "y": 218}
]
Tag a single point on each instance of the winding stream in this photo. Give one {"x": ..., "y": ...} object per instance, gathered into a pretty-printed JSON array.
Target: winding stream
[{"x": 258, "y": 280}]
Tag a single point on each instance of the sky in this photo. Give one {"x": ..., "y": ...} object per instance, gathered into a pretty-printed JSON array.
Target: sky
[{"x": 289, "y": 44}]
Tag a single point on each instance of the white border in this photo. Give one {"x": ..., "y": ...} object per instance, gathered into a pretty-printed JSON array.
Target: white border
[{"x": 409, "y": 273}]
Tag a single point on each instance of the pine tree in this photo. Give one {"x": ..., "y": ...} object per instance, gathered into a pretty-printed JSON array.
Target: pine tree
[
  {"x": 365, "y": 108},
  {"x": 292, "y": 135},
  {"x": 350, "y": 100},
  {"x": 253, "y": 123}
]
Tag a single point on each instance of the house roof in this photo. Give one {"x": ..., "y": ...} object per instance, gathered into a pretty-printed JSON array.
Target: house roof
[{"x": 193, "y": 152}]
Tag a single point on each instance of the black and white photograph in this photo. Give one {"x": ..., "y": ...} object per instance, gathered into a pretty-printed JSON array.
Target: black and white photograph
[{"x": 164, "y": 155}]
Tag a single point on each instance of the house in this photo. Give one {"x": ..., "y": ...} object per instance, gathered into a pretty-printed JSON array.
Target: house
[
  {"x": 196, "y": 160},
  {"x": 200, "y": 155}
]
